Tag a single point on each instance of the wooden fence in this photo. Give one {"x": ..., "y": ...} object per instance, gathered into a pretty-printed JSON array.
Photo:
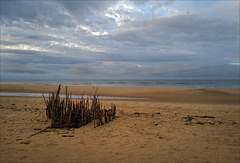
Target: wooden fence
[{"x": 69, "y": 113}]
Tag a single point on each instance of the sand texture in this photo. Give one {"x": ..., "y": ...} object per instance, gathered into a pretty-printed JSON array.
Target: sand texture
[{"x": 157, "y": 130}]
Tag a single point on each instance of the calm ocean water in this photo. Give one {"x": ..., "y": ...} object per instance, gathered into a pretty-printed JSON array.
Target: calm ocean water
[{"x": 134, "y": 83}]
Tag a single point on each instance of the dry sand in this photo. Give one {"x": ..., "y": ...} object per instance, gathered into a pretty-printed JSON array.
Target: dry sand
[{"x": 176, "y": 125}]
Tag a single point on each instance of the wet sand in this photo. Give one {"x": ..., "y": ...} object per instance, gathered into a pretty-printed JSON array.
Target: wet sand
[
  {"x": 156, "y": 94},
  {"x": 176, "y": 125}
]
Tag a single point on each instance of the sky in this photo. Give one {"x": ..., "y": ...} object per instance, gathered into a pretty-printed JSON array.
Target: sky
[{"x": 119, "y": 39}]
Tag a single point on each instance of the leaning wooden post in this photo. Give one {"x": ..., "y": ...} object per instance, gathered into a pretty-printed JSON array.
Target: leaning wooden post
[
  {"x": 94, "y": 115},
  {"x": 105, "y": 114},
  {"x": 66, "y": 96},
  {"x": 114, "y": 111}
]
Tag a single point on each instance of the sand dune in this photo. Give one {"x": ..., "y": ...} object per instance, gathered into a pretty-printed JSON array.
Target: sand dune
[{"x": 145, "y": 131}]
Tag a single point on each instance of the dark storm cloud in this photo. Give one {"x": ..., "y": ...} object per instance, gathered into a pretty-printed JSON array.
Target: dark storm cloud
[
  {"x": 21, "y": 69},
  {"x": 199, "y": 71},
  {"x": 87, "y": 69},
  {"x": 119, "y": 39},
  {"x": 8, "y": 43},
  {"x": 31, "y": 56},
  {"x": 38, "y": 12},
  {"x": 144, "y": 57},
  {"x": 21, "y": 52},
  {"x": 83, "y": 7},
  {"x": 176, "y": 70},
  {"x": 179, "y": 29}
]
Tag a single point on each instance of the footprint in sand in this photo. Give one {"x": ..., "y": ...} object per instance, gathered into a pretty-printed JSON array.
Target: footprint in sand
[
  {"x": 51, "y": 144},
  {"x": 21, "y": 150},
  {"x": 25, "y": 142},
  {"x": 81, "y": 142}
]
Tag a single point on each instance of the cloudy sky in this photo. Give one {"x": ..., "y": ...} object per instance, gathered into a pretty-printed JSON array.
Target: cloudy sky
[{"x": 119, "y": 39}]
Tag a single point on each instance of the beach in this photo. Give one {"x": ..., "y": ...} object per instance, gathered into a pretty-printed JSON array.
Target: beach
[
  {"x": 161, "y": 124},
  {"x": 154, "y": 94}
]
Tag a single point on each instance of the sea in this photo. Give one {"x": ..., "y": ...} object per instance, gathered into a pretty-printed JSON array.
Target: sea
[{"x": 206, "y": 83}]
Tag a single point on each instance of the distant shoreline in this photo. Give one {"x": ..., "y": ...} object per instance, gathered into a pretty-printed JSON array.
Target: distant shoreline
[
  {"x": 181, "y": 83},
  {"x": 155, "y": 94}
]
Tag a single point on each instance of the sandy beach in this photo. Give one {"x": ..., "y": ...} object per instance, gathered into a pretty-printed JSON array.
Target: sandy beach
[
  {"x": 155, "y": 94},
  {"x": 173, "y": 125}
]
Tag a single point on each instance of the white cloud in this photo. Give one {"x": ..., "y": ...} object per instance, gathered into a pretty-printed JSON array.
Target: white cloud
[
  {"x": 122, "y": 12},
  {"x": 88, "y": 29},
  {"x": 25, "y": 47},
  {"x": 82, "y": 45}
]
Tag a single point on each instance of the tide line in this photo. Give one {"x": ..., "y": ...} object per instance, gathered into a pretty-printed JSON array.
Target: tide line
[{"x": 63, "y": 96}]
